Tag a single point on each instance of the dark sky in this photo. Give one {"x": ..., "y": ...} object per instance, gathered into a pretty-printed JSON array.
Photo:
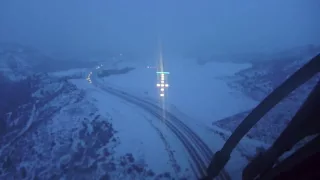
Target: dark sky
[{"x": 137, "y": 26}]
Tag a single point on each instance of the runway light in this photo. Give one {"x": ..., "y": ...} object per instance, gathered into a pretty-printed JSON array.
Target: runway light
[
  {"x": 158, "y": 85},
  {"x": 167, "y": 85},
  {"x": 163, "y": 72},
  {"x": 162, "y": 82},
  {"x": 161, "y": 89},
  {"x": 162, "y": 85},
  {"x": 162, "y": 78},
  {"x": 161, "y": 95}
]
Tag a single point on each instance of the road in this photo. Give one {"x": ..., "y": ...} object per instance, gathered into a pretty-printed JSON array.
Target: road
[{"x": 198, "y": 151}]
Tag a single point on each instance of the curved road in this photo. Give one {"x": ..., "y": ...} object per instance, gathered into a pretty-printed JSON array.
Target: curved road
[{"x": 199, "y": 152}]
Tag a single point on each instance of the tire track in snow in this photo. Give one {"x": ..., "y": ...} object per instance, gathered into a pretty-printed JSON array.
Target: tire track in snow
[
  {"x": 203, "y": 147},
  {"x": 173, "y": 161},
  {"x": 192, "y": 151},
  {"x": 200, "y": 166},
  {"x": 196, "y": 140},
  {"x": 174, "y": 125}
]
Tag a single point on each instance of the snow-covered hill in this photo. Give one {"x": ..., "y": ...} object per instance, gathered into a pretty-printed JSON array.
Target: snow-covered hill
[
  {"x": 259, "y": 80},
  {"x": 59, "y": 125},
  {"x": 17, "y": 59},
  {"x": 52, "y": 129}
]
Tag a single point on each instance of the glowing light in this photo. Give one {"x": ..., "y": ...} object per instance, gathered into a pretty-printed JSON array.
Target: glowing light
[
  {"x": 161, "y": 95},
  {"x": 162, "y": 78},
  {"x": 163, "y": 72},
  {"x": 162, "y": 82},
  {"x": 161, "y": 89},
  {"x": 162, "y": 85},
  {"x": 158, "y": 85},
  {"x": 167, "y": 85}
]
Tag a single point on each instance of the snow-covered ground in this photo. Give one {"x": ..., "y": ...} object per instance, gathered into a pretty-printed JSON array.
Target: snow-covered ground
[
  {"x": 198, "y": 90},
  {"x": 258, "y": 81},
  {"x": 138, "y": 132},
  {"x": 71, "y": 128},
  {"x": 202, "y": 94},
  {"x": 76, "y": 73},
  {"x": 198, "y": 95}
]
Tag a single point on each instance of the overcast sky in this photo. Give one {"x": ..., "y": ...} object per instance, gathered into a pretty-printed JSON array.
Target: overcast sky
[{"x": 137, "y": 26}]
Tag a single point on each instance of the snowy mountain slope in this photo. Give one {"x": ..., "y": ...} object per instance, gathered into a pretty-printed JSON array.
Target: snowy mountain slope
[
  {"x": 259, "y": 80},
  {"x": 52, "y": 129},
  {"x": 17, "y": 61},
  {"x": 43, "y": 100},
  {"x": 16, "y": 58},
  {"x": 146, "y": 137},
  {"x": 58, "y": 125}
]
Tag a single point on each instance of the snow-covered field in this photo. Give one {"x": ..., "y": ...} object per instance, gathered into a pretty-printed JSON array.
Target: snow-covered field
[
  {"x": 137, "y": 131},
  {"x": 197, "y": 94},
  {"x": 198, "y": 90},
  {"x": 76, "y": 128}
]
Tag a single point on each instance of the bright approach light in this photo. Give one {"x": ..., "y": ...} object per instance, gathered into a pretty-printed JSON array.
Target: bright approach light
[
  {"x": 162, "y": 80},
  {"x": 163, "y": 72}
]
